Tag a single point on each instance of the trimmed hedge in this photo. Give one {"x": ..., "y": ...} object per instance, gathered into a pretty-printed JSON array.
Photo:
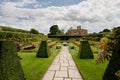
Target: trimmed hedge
[
  {"x": 10, "y": 67},
  {"x": 43, "y": 51},
  {"x": 58, "y": 47},
  {"x": 112, "y": 71},
  {"x": 85, "y": 51},
  {"x": 71, "y": 46},
  {"x": 64, "y": 44}
]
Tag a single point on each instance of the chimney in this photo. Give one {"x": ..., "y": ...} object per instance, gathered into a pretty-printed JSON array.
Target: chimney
[{"x": 78, "y": 27}]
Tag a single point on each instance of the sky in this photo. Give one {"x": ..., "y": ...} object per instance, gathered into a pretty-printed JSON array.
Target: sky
[{"x": 93, "y": 15}]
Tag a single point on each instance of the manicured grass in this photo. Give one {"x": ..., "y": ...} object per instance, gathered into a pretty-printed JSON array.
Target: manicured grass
[
  {"x": 34, "y": 68},
  {"x": 88, "y": 67}
]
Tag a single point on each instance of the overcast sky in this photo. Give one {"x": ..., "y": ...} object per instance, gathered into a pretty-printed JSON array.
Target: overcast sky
[{"x": 93, "y": 15}]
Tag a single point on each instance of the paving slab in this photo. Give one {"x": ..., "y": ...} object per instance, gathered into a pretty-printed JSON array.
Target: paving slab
[
  {"x": 74, "y": 74},
  {"x": 49, "y": 75},
  {"x": 58, "y": 78},
  {"x": 67, "y": 79},
  {"x": 64, "y": 64},
  {"x": 72, "y": 68},
  {"x": 54, "y": 67},
  {"x": 77, "y": 79},
  {"x": 61, "y": 74},
  {"x": 63, "y": 68}
]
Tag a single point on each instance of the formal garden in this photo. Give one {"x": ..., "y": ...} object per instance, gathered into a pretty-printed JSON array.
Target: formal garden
[{"x": 27, "y": 55}]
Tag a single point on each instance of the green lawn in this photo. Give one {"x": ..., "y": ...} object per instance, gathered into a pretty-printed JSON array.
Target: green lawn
[
  {"x": 34, "y": 68},
  {"x": 88, "y": 67}
]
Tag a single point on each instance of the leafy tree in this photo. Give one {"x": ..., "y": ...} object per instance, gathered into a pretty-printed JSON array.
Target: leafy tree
[
  {"x": 60, "y": 32},
  {"x": 105, "y": 30},
  {"x": 54, "y": 30},
  {"x": 33, "y": 31},
  {"x": 68, "y": 31}
]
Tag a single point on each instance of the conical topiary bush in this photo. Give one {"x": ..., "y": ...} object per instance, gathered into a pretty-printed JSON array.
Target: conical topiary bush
[
  {"x": 112, "y": 71},
  {"x": 85, "y": 51},
  {"x": 10, "y": 67},
  {"x": 43, "y": 51}
]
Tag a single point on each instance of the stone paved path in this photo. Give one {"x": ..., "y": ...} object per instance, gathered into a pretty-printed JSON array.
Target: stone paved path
[{"x": 63, "y": 67}]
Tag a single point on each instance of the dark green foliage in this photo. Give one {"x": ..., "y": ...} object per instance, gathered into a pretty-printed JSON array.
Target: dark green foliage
[
  {"x": 54, "y": 30},
  {"x": 105, "y": 31},
  {"x": 10, "y": 67},
  {"x": 85, "y": 51},
  {"x": 64, "y": 44},
  {"x": 7, "y": 35},
  {"x": 113, "y": 67},
  {"x": 58, "y": 47},
  {"x": 43, "y": 51},
  {"x": 72, "y": 47},
  {"x": 93, "y": 37},
  {"x": 114, "y": 64},
  {"x": 33, "y": 31},
  {"x": 25, "y": 38},
  {"x": 64, "y": 37}
]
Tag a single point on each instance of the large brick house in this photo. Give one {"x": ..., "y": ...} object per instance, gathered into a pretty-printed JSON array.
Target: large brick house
[{"x": 77, "y": 32}]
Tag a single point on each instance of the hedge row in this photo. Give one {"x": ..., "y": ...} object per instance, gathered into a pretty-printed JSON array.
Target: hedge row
[
  {"x": 22, "y": 37},
  {"x": 6, "y": 35}
]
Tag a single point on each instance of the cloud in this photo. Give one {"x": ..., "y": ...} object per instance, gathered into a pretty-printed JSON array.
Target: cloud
[{"x": 92, "y": 15}]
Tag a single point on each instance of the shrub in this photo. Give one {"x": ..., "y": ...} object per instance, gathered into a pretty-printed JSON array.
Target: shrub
[
  {"x": 43, "y": 51},
  {"x": 10, "y": 67},
  {"x": 85, "y": 51},
  {"x": 72, "y": 47},
  {"x": 58, "y": 47},
  {"x": 112, "y": 72},
  {"x": 64, "y": 44}
]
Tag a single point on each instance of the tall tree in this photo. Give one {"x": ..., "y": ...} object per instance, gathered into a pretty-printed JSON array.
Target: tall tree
[
  {"x": 61, "y": 32},
  {"x": 68, "y": 31},
  {"x": 33, "y": 31},
  {"x": 54, "y": 30},
  {"x": 104, "y": 31}
]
